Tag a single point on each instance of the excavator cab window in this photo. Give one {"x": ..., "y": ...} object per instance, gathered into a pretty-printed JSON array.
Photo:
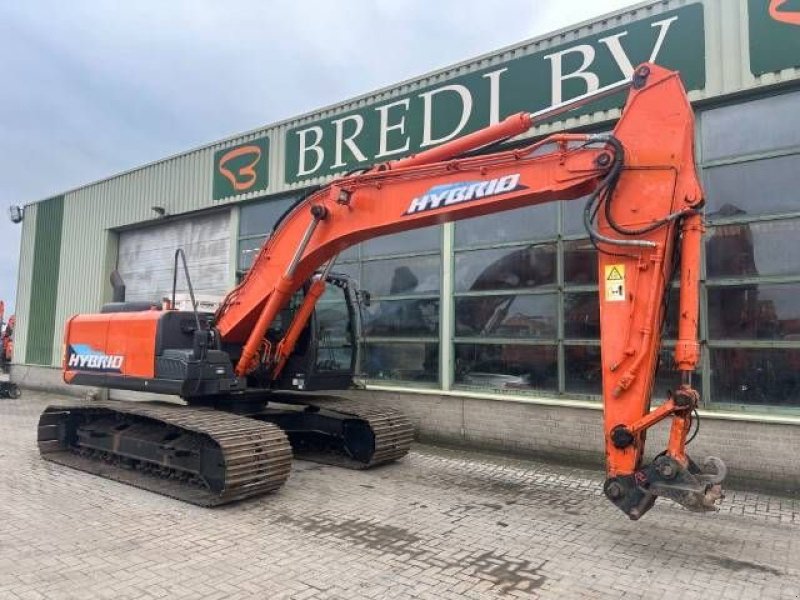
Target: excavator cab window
[
  {"x": 284, "y": 318},
  {"x": 325, "y": 355},
  {"x": 335, "y": 343}
]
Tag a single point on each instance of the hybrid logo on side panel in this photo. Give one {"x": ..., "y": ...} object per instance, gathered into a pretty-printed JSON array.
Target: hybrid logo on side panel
[
  {"x": 82, "y": 357},
  {"x": 463, "y": 191}
]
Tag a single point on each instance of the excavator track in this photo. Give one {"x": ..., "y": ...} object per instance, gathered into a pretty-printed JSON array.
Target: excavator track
[
  {"x": 198, "y": 455},
  {"x": 361, "y": 435}
]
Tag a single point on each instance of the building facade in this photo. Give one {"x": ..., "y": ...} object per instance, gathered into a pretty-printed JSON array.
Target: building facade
[{"x": 487, "y": 330}]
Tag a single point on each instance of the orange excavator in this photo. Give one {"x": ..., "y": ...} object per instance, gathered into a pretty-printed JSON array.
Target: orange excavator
[{"x": 246, "y": 374}]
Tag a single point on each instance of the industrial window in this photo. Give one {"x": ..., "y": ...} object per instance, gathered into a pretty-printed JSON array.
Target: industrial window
[
  {"x": 256, "y": 221},
  {"x": 527, "y": 223},
  {"x": 545, "y": 336},
  {"x": 507, "y": 366},
  {"x": 749, "y": 128},
  {"x": 400, "y": 325},
  {"x": 509, "y": 268},
  {"x": 515, "y": 294},
  {"x": 751, "y": 322},
  {"x": 572, "y": 217},
  {"x": 506, "y": 301},
  {"x": 753, "y": 188},
  {"x": 422, "y": 240}
]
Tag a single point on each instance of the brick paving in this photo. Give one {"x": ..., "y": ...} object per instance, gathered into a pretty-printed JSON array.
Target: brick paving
[{"x": 441, "y": 524}]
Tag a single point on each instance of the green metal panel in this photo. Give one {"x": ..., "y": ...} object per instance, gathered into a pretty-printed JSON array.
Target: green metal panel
[
  {"x": 44, "y": 284},
  {"x": 774, "y": 35},
  {"x": 24, "y": 277}
]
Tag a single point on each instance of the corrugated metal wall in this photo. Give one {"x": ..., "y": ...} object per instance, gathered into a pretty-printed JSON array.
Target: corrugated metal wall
[
  {"x": 44, "y": 281},
  {"x": 183, "y": 183}
]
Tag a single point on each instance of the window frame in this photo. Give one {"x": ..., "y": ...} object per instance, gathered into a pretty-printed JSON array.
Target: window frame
[
  {"x": 448, "y": 250},
  {"x": 708, "y": 401},
  {"x": 364, "y": 340}
]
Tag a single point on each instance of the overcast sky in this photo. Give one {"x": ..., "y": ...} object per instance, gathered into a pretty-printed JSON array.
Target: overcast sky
[{"x": 92, "y": 88}]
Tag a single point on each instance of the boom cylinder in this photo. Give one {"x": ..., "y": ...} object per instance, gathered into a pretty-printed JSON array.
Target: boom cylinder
[{"x": 507, "y": 128}]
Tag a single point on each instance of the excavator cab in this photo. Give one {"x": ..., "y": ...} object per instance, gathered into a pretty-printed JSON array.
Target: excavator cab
[{"x": 326, "y": 354}]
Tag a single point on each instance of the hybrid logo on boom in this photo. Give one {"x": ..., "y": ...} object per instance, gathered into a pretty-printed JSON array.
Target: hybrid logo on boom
[{"x": 463, "y": 191}]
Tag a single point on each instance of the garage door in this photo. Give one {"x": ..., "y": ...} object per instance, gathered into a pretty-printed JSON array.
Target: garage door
[{"x": 146, "y": 257}]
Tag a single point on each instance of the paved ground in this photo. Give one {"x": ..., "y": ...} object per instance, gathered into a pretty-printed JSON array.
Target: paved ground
[{"x": 441, "y": 524}]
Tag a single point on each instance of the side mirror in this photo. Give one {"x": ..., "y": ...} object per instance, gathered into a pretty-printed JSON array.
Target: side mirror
[{"x": 364, "y": 297}]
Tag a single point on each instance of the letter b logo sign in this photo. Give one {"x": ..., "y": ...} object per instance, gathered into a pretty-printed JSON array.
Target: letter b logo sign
[{"x": 241, "y": 169}]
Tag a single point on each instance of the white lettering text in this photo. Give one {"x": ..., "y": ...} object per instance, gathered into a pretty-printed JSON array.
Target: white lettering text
[
  {"x": 385, "y": 128},
  {"x": 305, "y": 147},
  {"x": 348, "y": 141},
  {"x": 427, "y": 114},
  {"x": 558, "y": 77},
  {"x": 494, "y": 94}
]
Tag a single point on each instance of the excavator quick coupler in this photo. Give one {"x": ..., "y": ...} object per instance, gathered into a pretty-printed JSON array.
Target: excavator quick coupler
[{"x": 695, "y": 488}]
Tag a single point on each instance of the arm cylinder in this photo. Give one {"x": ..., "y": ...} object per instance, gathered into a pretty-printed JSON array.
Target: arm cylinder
[{"x": 687, "y": 351}]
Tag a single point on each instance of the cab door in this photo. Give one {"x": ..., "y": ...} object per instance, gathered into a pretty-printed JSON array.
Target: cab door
[{"x": 326, "y": 354}]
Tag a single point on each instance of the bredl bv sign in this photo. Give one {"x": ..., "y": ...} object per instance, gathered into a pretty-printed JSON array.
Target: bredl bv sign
[{"x": 435, "y": 114}]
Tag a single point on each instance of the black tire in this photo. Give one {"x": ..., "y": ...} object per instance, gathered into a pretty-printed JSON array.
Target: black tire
[{"x": 14, "y": 391}]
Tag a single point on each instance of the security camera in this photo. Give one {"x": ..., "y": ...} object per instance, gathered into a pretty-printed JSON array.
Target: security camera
[
  {"x": 16, "y": 214},
  {"x": 159, "y": 210}
]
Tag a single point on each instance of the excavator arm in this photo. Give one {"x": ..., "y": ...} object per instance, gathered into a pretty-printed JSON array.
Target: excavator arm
[{"x": 642, "y": 214}]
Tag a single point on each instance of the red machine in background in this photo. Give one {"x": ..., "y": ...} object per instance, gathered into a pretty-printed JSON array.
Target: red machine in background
[
  {"x": 6, "y": 338},
  {"x": 7, "y": 389},
  {"x": 234, "y": 368}
]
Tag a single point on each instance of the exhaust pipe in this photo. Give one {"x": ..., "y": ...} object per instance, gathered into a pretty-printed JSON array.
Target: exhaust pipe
[{"x": 118, "y": 284}]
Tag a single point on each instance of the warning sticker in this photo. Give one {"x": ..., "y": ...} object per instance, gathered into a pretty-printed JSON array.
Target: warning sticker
[{"x": 615, "y": 283}]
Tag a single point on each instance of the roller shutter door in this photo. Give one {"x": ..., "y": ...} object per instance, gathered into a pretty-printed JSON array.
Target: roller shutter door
[{"x": 146, "y": 256}]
